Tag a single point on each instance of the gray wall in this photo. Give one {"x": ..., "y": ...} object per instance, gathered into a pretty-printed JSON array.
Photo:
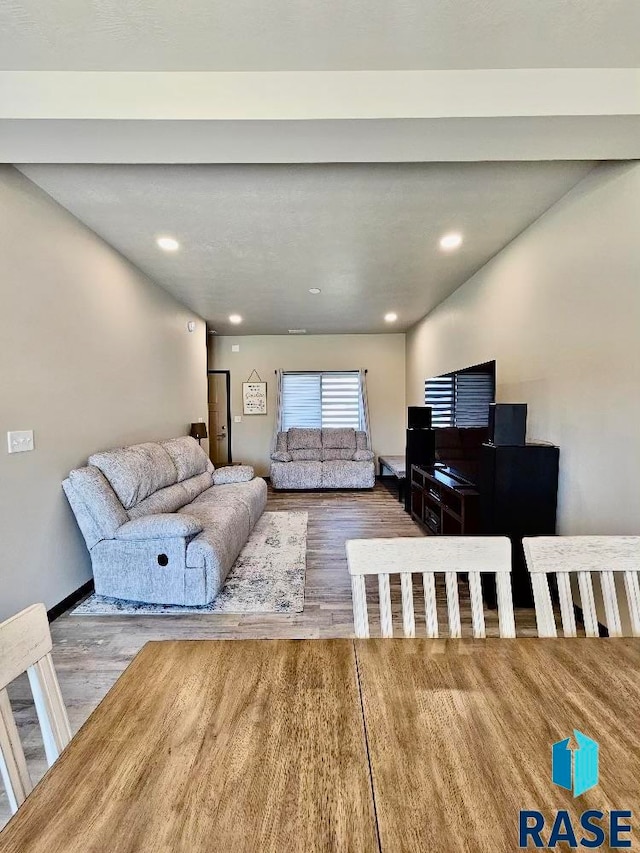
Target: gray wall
[
  {"x": 559, "y": 309},
  {"x": 92, "y": 355},
  {"x": 382, "y": 355}
]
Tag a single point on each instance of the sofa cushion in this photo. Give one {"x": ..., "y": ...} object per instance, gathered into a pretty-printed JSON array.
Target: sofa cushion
[
  {"x": 296, "y": 475},
  {"x": 348, "y": 475},
  {"x": 310, "y": 454},
  {"x": 136, "y": 472},
  {"x": 233, "y": 474},
  {"x": 162, "y": 525},
  {"x": 281, "y": 456},
  {"x": 173, "y": 497},
  {"x": 304, "y": 439},
  {"x": 363, "y": 456},
  {"x": 170, "y": 499},
  {"x": 195, "y": 486},
  {"x": 187, "y": 455},
  {"x": 252, "y": 496},
  {"x": 331, "y": 454},
  {"x": 95, "y": 493},
  {"x": 361, "y": 440},
  {"x": 342, "y": 438},
  {"x": 226, "y": 529}
]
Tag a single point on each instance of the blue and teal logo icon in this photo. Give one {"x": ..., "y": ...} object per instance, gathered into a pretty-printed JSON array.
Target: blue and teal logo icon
[{"x": 575, "y": 769}]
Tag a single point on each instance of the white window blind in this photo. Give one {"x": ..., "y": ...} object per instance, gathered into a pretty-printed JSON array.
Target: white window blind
[
  {"x": 301, "y": 400},
  {"x": 321, "y": 400},
  {"x": 439, "y": 394},
  {"x": 474, "y": 392},
  {"x": 460, "y": 399}
]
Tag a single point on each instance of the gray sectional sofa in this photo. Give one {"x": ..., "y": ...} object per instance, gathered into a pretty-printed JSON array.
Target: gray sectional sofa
[
  {"x": 335, "y": 458},
  {"x": 160, "y": 524}
]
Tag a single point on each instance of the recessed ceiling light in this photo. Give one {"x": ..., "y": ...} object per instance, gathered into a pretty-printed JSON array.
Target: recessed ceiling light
[
  {"x": 314, "y": 290},
  {"x": 168, "y": 244},
  {"x": 297, "y": 331},
  {"x": 235, "y": 318},
  {"x": 451, "y": 241},
  {"x": 391, "y": 317}
]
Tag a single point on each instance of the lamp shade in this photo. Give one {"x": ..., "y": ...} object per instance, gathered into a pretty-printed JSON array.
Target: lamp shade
[{"x": 198, "y": 430}]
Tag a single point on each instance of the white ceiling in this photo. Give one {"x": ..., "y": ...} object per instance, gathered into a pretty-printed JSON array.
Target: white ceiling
[
  {"x": 278, "y": 35},
  {"x": 255, "y": 238}
]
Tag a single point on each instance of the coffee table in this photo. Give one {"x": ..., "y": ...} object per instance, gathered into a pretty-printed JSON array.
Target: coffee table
[{"x": 397, "y": 466}]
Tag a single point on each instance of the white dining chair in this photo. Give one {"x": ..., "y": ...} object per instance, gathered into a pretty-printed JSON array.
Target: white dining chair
[
  {"x": 25, "y": 646},
  {"x": 603, "y": 556},
  {"x": 450, "y": 555}
]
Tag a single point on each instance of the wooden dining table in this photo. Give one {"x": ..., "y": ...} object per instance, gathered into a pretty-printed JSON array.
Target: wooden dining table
[{"x": 338, "y": 745}]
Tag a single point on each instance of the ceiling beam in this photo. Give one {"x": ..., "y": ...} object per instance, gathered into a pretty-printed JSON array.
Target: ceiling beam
[{"x": 211, "y": 117}]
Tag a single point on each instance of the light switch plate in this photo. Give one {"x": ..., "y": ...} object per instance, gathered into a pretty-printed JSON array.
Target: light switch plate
[
  {"x": 237, "y": 419},
  {"x": 235, "y": 347},
  {"x": 20, "y": 440}
]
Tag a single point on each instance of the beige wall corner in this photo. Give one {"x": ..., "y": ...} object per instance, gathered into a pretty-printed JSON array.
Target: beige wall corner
[
  {"x": 559, "y": 310},
  {"x": 92, "y": 355},
  {"x": 382, "y": 355}
]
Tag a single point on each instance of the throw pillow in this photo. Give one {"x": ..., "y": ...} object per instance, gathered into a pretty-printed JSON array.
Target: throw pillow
[{"x": 232, "y": 474}]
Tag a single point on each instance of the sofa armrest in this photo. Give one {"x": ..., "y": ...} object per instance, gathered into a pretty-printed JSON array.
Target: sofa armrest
[
  {"x": 162, "y": 525},
  {"x": 363, "y": 456},
  {"x": 281, "y": 456},
  {"x": 233, "y": 474}
]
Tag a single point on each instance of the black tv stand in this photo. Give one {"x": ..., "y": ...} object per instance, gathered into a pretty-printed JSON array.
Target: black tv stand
[
  {"x": 441, "y": 503},
  {"x": 515, "y": 495},
  {"x": 443, "y": 468}
]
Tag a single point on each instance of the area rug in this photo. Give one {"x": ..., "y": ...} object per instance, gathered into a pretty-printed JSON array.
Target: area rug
[{"x": 267, "y": 577}]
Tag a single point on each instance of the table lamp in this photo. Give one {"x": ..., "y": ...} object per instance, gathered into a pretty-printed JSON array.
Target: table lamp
[{"x": 199, "y": 431}]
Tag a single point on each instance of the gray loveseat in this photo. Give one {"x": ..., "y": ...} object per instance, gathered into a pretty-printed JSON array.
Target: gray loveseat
[
  {"x": 335, "y": 458},
  {"x": 161, "y": 525}
]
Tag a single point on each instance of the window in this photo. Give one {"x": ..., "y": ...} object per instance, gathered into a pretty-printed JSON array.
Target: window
[
  {"x": 329, "y": 399},
  {"x": 459, "y": 399},
  {"x": 439, "y": 394},
  {"x": 474, "y": 392}
]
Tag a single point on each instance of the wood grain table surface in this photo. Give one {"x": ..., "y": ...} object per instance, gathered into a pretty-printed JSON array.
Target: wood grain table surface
[
  {"x": 460, "y": 734},
  {"x": 336, "y": 745},
  {"x": 213, "y": 746}
]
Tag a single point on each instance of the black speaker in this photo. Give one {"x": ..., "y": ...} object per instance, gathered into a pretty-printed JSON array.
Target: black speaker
[
  {"x": 518, "y": 497},
  {"x": 421, "y": 450},
  {"x": 419, "y": 417},
  {"x": 507, "y": 424}
]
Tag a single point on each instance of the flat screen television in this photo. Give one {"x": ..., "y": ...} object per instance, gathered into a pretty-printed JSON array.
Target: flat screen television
[
  {"x": 457, "y": 451},
  {"x": 459, "y": 404},
  {"x": 461, "y": 398}
]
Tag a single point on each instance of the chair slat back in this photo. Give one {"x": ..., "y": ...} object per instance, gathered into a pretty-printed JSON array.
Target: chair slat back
[
  {"x": 430, "y": 603},
  {"x": 586, "y": 557},
  {"x": 453, "y": 556},
  {"x": 25, "y": 646}
]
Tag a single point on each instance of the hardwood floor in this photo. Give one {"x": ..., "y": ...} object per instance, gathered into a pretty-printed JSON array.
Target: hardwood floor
[{"x": 91, "y": 652}]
